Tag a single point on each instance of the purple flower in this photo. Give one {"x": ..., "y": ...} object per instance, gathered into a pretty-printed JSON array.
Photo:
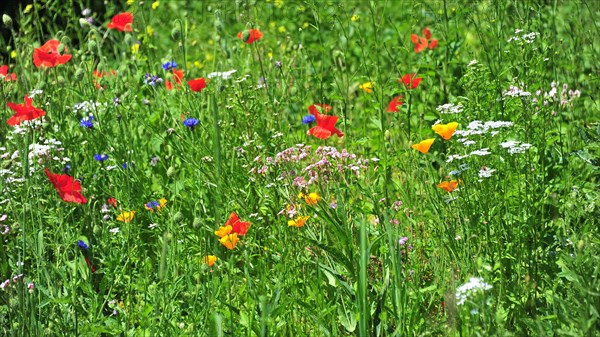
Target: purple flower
[
  {"x": 88, "y": 123},
  {"x": 403, "y": 240},
  {"x": 191, "y": 122}
]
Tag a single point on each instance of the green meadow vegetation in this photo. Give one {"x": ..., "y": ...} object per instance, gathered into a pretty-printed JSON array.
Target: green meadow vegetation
[{"x": 300, "y": 168}]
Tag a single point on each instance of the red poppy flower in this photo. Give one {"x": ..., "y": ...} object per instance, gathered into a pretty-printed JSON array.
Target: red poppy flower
[
  {"x": 325, "y": 126},
  {"x": 112, "y": 201},
  {"x": 178, "y": 75},
  {"x": 48, "y": 55},
  {"x": 250, "y": 35},
  {"x": 24, "y": 112},
  {"x": 68, "y": 188},
  {"x": 421, "y": 43},
  {"x": 394, "y": 104},
  {"x": 319, "y": 108},
  {"x": 121, "y": 22},
  {"x": 197, "y": 84},
  {"x": 237, "y": 226},
  {"x": 411, "y": 81},
  {"x": 4, "y": 74}
]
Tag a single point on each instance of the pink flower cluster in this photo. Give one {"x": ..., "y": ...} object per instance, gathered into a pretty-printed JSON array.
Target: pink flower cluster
[{"x": 322, "y": 164}]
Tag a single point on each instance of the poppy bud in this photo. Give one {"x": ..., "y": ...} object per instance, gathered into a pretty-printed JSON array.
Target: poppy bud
[
  {"x": 83, "y": 22},
  {"x": 79, "y": 74},
  {"x": 580, "y": 244},
  {"x": 197, "y": 222},
  {"x": 92, "y": 45},
  {"x": 61, "y": 79},
  {"x": 178, "y": 217},
  {"x": 6, "y": 20},
  {"x": 171, "y": 171},
  {"x": 245, "y": 35},
  {"x": 97, "y": 230},
  {"x": 218, "y": 25},
  {"x": 176, "y": 33},
  {"x": 387, "y": 135}
]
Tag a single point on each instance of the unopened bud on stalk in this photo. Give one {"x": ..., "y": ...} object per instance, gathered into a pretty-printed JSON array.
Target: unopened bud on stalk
[
  {"x": 176, "y": 33},
  {"x": 171, "y": 171},
  {"x": 83, "y": 22},
  {"x": 6, "y": 20},
  {"x": 92, "y": 45},
  {"x": 79, "y": 74}
]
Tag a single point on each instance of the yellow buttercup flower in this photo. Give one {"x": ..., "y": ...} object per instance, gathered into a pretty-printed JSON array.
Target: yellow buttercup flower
[
  {"x": 355, "y": 18},
  {"x": 155, "y": 4},
  {"x": 135, "y": 48}
]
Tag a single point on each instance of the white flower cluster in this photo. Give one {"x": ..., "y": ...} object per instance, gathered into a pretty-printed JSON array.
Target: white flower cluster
[
  {"x": 224, "y": 75},
  {"x": 527, "y": 37},
  {"x": 480, "y": 128},
  {"x": 450, "y": 108},
  {"x": 514, "y": 146},
  {"x": 485, "y": 172},
  {"x": 514, "y": 91},
  {"x": 471, "y": 288},
  {"x": 87, "y": 107}
]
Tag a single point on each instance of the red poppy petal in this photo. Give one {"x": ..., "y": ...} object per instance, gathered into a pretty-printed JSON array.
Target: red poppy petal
[
  {"x": 319, "y": 132},
  {"x": 198, "y": 84}
]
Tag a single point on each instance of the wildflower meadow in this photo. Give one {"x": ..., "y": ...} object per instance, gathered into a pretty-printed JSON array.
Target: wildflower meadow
[{"x": 300, "y": 168}]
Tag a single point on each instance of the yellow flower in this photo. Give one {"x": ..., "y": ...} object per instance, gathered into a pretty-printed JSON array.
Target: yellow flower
[
  {"x": 130, "y": 2},
  {"x": 445, "y": 130},
  {"x": 278, "y": 3},
  {"x": 281, "y": 29},
  {"x": 298, "y": 222},
  {"x": 424, "y": 145},
  {"x": 135, "y": 48},
  {"x": 230, "y": 240},
  {"x": 355, "y": 18},
  {"x": 198, "y": 64},
  {"x": 270, "y": 54},
  {"x": 126, "y": 217},
  {"x": 209, "y": 57},
  {"x": 272, "y": 24},
  {"x": 13, "y": 54},
  {"x": 209, "y": 260},
  {"x": 149, "y": 30},
  {"x": 224, "y": 230},
  {"x": 305, "y": 25},
  {"x": 28, "y": 9},
  {"x": 312, "y": 198},
  {"x": 367, "y": 87},
  {"x": 155, "y": 4},
  {"x": 156, "y": 205}
]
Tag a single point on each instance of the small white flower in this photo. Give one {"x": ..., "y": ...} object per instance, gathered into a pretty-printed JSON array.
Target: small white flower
[
  {"x": 114, "y": 230},
  {"x": 481, "y": 152}
]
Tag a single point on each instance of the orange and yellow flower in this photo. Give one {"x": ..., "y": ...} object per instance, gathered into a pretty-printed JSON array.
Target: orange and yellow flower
[
  {"x": 209, "y": 260},
  {"x": 298, "y": 222},
  {"x": 448, "y": 186},
  {"x": 424, "y": 145},
  {"x": 367, "y": 87},
  {"x": 126, "y": 216},
  {"x": 229, "y": 240},
  {"x": 445, "y": 130},
  {"x": 311, "y": 198}
]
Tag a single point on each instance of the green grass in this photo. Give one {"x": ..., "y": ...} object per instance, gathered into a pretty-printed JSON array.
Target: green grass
[{"x": 522, "y": 220}]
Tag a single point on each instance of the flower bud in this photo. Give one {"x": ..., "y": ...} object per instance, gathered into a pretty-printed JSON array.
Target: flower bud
[
  {"x": 178, "y": 217},
  {"x": 176, "y": 33},
  {"x": 79, "y": 74},
  {"x": 197, "y": 222},
  {"x": 171, "y": 171},
  {"x": 7, "y": 20},
  {"x": 83, "y": 22},
  {"x": 92, "y": 45}
]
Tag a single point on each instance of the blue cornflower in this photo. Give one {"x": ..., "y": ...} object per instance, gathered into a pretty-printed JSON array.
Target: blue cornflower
[
  {"x": 100, "y": 157},
  {"x": 124, "y": 166},
  {"x": 88, "y": 123},
  {"x": 152, "y": 204},
  {"x": 308, "y": 119},
  {"x": 169, "y": 65},
  {"x": 191, "y": 122},
  {"x": 67, "y": 168},
  {"x": 82, "y": 245}
]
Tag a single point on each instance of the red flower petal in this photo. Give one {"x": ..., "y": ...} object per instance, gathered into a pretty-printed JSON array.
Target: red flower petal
[
  {"x": 411, "y": 81},
  {"x": 197, "y": 84},
  {"x": 394, "y": 104},
  {"x": 325, "y": 127},
  {"x": 48, "y": 56},
  {"x": 250, "y": 35},
  {"x": 178, "y": 74},
  {"x": 427, "y": 33},
  {"x": 68, "y": 188},
  {"x": 23, "y": 112},
  {"x": 319, "y": 108},
  {"x": 239, "y": 227},
  {"x": 121, "y": 22}
]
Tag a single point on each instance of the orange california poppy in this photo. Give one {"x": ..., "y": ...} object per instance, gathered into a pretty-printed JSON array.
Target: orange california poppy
[
  {"x": 445, "y": 130},
  {"x": 424, "y": 145},
  {"x": 448, "y": 186}
]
